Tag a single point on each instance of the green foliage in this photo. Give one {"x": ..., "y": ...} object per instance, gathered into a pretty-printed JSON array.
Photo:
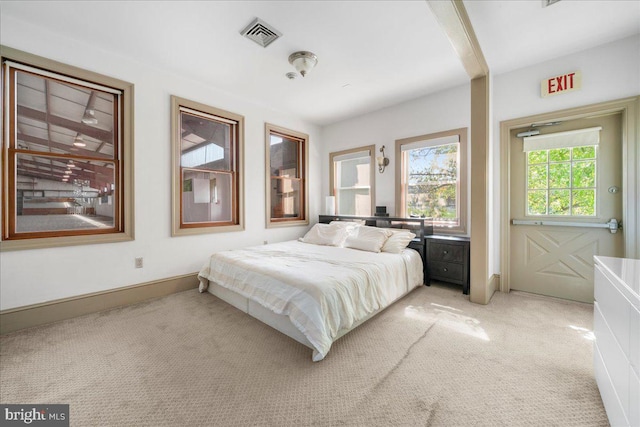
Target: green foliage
[
  {"x": 559, "y": 155},
  {"x": 433, "y": 175},
  {"x": 537, "y": 202},
  {"x": 559, "y": 175},
  {"x": 562, "y": 181},
  {"x": 535, "y": 157}
]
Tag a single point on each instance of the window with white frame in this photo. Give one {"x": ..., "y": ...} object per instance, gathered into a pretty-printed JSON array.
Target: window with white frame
[
  {"x": 431, "y": 178},
  {"x": 353, "y": 181},
  {"x": 561, "y": 173}
]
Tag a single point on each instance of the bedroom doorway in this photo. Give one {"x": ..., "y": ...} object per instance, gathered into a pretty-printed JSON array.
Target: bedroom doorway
[{"x": 563, "y": 187}]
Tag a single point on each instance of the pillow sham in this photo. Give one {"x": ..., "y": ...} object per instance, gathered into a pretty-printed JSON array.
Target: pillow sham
[
  {"x": 399, "y": 240},
  {"x": 325, "y": 234},
  {"x": 366, "y": 238}
]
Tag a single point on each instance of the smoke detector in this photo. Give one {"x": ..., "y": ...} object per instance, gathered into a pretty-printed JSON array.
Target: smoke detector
[{"x": 261, "y": 32}]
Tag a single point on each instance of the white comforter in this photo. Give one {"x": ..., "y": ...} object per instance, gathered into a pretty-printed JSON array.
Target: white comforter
[{"x": 322, "y": 289}]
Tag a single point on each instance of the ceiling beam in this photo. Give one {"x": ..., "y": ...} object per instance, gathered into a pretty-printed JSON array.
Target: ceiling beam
[
  {"x": 66, "y": 148},
  {"x": 454, "y": 20},
  {"x": 99, "y": 134}
]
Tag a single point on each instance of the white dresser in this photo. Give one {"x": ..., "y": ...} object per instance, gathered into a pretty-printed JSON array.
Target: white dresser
[{"x": 616, "y": 325}]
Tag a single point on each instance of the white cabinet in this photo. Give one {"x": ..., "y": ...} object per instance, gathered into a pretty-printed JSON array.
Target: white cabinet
[{"x": 616, "y": 326}]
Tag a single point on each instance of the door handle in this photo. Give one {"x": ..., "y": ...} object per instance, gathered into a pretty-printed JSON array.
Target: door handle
[{"x": 613, "y": 224}]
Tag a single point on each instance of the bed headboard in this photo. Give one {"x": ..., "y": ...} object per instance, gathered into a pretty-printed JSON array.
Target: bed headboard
[{"x": 419, "y": 226}]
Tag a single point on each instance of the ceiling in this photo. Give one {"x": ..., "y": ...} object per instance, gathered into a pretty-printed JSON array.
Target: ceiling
[{"x": 372, "y": 54}]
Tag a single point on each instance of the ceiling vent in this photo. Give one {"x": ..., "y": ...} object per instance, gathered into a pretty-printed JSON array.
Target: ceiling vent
[{"x": 261, "y": 32}]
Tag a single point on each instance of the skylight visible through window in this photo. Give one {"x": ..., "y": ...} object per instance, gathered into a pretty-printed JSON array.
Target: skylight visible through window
[{"x": 202, "y": 155}]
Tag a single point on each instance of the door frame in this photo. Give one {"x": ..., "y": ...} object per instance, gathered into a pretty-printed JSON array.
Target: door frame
[{"x": 630, "y": 110}]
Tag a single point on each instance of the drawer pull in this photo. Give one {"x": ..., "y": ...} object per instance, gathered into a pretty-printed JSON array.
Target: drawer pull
[
  {"x": 445, "y": 252},
  {"x": 445, "y": 269}
]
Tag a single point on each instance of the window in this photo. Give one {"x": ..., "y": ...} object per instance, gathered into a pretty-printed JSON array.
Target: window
[
  {"x": 286, "y": 165},
  {"x": 561, "y": 173},
  {"x": 431, "y": 178},
  {"x": 207, "y": 172},
  {"x": 352, "y": 181},
  {"x": 67, "y": 155}
]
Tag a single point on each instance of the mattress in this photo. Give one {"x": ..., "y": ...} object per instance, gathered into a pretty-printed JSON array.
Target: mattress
[{"x": 322, "y": 290}]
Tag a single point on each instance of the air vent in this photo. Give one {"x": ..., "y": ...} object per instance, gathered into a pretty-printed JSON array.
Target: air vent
[{"x": 261, "y": 32}]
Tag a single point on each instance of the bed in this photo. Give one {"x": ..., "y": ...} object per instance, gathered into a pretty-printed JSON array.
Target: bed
[{"x": 317, "y": 288}]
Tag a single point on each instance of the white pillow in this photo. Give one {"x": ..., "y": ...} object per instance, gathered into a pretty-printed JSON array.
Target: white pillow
[
  {"x": 325, "y": 234},
  {"x": 399, "y": 240},
  {"x": 347, "y": 225},
  {"x": 367, "y": 238}
]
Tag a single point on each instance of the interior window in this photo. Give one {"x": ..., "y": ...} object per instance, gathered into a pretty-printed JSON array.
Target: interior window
[
  {"x": 207, "y": 168},
  {"x": 431, "y": 178},
  {"x": 286, "y": 165},
  {"x": 66, "y": 155},
  {"x": 352, "y": 181}
]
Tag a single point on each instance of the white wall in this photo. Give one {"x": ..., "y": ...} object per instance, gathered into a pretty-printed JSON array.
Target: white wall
[
  {"x": 34, "y": 276},
  {"x": 438, "y": 112},
  {"x": 609, "y": 72}
]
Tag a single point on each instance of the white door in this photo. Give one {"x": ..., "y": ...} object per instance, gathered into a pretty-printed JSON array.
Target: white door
[{"x": 572, "y": 182}]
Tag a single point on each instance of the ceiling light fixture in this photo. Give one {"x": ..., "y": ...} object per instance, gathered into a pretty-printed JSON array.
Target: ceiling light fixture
[
  {"x": 89, "y": 117},
  {"x": 303, "y": 61},
  {"x": 79, "y": 142}
]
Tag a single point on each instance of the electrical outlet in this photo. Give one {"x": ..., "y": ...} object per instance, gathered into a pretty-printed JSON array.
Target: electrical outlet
[{"x": 139, "y": 262}]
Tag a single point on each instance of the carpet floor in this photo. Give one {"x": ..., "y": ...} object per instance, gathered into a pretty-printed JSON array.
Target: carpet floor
[{"x": 431, "y": 359}]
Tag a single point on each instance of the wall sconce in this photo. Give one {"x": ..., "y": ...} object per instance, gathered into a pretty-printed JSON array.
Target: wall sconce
[{"x": 383, "y": 161}]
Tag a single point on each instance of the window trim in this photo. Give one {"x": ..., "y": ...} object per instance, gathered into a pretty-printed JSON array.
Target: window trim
[
  {"x": 303, "y": 160},
  {"x": 124, "y": 176},
  {"x": 372, "y": 172},
  {"x": 463, "y": 183},
  {"x": 237, "y": 222}
]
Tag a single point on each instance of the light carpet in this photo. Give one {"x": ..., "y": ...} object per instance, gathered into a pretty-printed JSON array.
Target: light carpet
[{"x": 431, "y": 359}]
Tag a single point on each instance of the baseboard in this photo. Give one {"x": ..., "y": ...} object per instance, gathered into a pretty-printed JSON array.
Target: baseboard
[{"x": 52, "y": 311}]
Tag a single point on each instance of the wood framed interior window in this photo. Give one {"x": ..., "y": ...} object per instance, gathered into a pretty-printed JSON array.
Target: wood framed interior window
[
  {"x": 67, "y": 163},
  {"x": 207, "y": 171},
  {"x": 352, "y": 180},
  {"x": 286, "y": 181}
]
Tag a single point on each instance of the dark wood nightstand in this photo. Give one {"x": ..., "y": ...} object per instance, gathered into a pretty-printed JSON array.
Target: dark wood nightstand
[
  {"x": 448, "y": 260},
  {"x": 420, "y": 246}
]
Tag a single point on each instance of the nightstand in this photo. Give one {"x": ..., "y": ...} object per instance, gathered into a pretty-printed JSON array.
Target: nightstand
[
  {"x": 448, "y": 260},
  {"x": 419, "y": 245}
]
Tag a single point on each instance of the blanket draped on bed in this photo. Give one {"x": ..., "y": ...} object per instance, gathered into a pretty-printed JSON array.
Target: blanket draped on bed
[{"x": 322, "y": 289}]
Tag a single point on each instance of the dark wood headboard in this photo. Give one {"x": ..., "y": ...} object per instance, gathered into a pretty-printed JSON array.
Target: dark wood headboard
[{"x": 419, "y": 226}]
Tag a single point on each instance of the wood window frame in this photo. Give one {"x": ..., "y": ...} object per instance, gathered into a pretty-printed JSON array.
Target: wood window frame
[
  {"x": 463, "y": 184},
  {"x": 303, "y": 165},
  {"x": 123, "y": 229},
  {"x": 372, "y": 173},
  {"x": 178, "y": 227}
]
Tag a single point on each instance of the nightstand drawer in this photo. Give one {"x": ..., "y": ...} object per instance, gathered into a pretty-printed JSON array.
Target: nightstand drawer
[
  {"x": 447, "y": 271},
  {"x": 446, "y": 252}
]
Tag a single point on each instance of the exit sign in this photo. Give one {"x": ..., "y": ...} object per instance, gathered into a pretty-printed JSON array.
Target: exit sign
[{"x": 561, "y": 84}]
